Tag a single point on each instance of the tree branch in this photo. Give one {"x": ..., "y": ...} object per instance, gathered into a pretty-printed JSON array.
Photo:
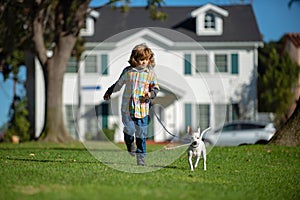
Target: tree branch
[{"x": 38, "y": 37}]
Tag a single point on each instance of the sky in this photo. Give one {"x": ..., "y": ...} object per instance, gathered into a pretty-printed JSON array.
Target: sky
[{"x": 274, "y": 19}]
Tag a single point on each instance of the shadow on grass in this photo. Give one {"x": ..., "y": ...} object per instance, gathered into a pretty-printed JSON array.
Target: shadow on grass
[
  {"x": 95, "y": 161},
  {"x": 112, "y": 155},
  {"x": 41, "y": 148},
  {"x": 50, "y": 160}
]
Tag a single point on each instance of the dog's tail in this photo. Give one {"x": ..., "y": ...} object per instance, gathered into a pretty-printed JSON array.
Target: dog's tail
[{"x": 203, "y": 132}]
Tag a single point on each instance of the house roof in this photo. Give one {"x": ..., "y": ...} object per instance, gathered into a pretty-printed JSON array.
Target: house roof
[
  {"x": 239, "y": 26},
  {"x": 294, "y": 38}
]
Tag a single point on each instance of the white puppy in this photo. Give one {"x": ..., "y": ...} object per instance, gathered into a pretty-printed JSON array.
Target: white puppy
[{"x": 196, "y": 148}]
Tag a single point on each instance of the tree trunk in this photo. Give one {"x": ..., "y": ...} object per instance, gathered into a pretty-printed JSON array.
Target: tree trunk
[
  {"x": 66, "y": 32},
  {"x": 289, "y": 133},
  {"x": 55, "y": 130}
]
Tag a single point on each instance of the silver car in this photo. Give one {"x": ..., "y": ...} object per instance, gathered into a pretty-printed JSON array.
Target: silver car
[{"x": 240, "y": 133}]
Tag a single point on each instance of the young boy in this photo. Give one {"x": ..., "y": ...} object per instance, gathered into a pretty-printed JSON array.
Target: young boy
[{"x": 140, "y": 86}]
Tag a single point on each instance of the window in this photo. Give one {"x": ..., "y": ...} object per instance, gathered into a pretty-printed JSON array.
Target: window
[
  {"x": 209, "y": 21},
  {"x": 91, "y": 122},
  {"x": 96, "y": 64},
  {"x": 224, "y": 63},
  {"x": 201, "y": 63},
  {"x": 234, "y": 111},
  {"x": 202, "y": 115},
  {"x": 72, "y": 65},
  {"x": 251, "y": 126},
  {"x": 197, "y": 115},
  {"x": 91, "y": 64},
  {"x": 221, "y": 62},
  {"x": 231, "y": 127},
  {"x": 187, "y": 64}
]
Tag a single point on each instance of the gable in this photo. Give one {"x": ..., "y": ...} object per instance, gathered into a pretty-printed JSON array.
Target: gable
[
  {"x": 145, "y": 33},
  {"x": 209, "y": 7}
]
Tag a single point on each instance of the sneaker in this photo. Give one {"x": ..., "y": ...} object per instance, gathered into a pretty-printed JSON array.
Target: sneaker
[
  {"x": 140, "y": 161},
  {"x": 132, "y": 150}
]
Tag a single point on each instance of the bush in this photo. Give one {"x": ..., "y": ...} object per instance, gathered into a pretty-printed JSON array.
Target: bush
[{"x": 19, "y": 124}]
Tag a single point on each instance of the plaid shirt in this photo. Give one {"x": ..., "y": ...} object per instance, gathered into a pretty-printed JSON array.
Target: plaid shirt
[{"x": 138, "y": 82}]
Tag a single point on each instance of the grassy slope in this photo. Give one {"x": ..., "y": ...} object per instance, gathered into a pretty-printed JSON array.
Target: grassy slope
[{"x": 52, "y": 171}]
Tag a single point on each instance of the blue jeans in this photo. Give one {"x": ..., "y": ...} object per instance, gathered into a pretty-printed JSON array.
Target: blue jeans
[{"x": 135, "y": 127}]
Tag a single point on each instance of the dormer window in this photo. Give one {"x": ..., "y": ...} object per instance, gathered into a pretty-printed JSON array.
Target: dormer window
[{"x": 209, "y": 19}]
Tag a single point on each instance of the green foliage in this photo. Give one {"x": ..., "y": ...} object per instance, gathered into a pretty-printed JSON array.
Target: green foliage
[
  {"x": 57, "y": 171},
  {"x": 19, "y": 124},
  {"x": 13, "y": 63},
  {"x": 152, "y": 6},
  {"x": 49, "y": 25},
  {"x": 277, "y": 77},
  {"x": 13, "y": 32},
  {"x": 155, "y": 14}
]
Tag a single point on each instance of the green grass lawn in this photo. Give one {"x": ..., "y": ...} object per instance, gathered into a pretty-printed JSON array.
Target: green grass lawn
[{"x": 60, "y": 171}]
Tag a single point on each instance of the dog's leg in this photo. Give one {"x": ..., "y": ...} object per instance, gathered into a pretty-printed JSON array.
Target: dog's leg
[
  {"x": 197, "y": 160},
  {"x": 204, "y": 159},
  {"x": 190, "y": 155}
]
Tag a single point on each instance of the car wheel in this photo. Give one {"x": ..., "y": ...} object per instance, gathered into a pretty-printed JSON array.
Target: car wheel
[{"x": 262, "y": 142}]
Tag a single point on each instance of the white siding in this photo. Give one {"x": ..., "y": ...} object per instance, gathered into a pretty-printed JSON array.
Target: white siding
[{"x": 205, "y": 88}]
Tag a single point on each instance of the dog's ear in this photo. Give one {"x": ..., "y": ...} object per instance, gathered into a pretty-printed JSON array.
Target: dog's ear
[{"x": 199, "y": 130}]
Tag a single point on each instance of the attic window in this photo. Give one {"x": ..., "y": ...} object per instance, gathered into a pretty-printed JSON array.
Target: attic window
[{"x": 209, "y": 21}]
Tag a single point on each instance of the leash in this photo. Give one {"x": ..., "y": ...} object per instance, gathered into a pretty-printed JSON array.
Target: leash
[
  {"x": 183, "y": 145},
  {"x": 158, "y": 119},
  {"x": 164, "y": 127}
]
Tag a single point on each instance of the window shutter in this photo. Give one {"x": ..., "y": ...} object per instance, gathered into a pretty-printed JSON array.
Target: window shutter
[
  {"x": 104, "y": 67},
  {"x": 234, "y": 64},
  {"x": 188, "y": 114},
  {"x": 187, "y": 64}
]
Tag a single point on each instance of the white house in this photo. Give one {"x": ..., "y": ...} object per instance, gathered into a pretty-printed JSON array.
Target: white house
[{"x": 206, "y": 61}]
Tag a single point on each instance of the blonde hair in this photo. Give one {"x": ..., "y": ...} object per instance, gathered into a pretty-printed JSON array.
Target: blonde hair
[{"x": 141, "y": 52}]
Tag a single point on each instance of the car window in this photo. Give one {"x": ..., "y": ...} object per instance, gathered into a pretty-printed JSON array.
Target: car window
[
  {"x": 251, "y": 126},
  {"x": 231, "y": 127}
]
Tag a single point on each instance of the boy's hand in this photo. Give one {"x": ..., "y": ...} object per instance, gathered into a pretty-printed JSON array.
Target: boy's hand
[
  {"x": 106, "y": 97},
  {"x": 148, "y": 95}
]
